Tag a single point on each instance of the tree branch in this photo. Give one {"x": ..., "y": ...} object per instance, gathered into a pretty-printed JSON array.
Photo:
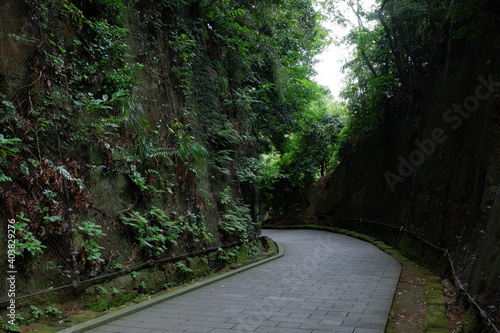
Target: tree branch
[{"x": 361, "y": 45}]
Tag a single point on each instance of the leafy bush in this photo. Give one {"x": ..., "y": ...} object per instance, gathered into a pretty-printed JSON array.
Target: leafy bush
[
  {"x": 92, "y": 232},
  {"x": 7, "y": 148},
  {"x": 236, "y": 219},
  {"x": 149, "y": 236},
  {"x": 26, "y": 240},
  {"x": 5, "y": 325}
]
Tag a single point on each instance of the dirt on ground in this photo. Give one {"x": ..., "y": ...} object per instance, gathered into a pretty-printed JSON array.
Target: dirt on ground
[
  {"x": 409, "y": 307},
  {"x": 452, "y": 305}
]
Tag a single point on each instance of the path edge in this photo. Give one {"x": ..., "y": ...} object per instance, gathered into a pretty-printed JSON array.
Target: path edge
[
  {"x": 118, "y": 314},
  {"x": 436, "y": 303}
]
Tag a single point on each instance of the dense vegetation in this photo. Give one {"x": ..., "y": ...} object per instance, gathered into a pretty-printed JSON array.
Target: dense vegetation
[
  {"x": 397, "y": 44},
  {"x": 137, "y": 130},
  {"x": 419, "y": 153}
]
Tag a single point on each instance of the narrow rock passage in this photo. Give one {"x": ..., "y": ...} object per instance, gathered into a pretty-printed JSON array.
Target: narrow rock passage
[{"x": 325, "y": 282}]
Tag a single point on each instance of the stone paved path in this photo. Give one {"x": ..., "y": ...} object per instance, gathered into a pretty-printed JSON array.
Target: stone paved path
[{"x": 325, "y": 282}]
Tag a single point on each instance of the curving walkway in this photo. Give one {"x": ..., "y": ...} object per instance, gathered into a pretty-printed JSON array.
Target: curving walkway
[{"x": 325, "y": 282}]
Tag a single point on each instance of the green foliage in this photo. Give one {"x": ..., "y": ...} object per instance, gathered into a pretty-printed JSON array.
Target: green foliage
[
  {"x": 4, "y": 178},
  {"x": 8, "y": 111},
  {"x": 394, "y": 45},
  {"x": 307, "y": 153},
  {"x": 53, "y": 312},
  {"x": 114, "y": 10},
  {"x": 312, "y": 148},
  {"x": 261, "y": 172},
  {"x": 52, "y": 266},
  {"x": 4, "y": 325},
  {"x": 141, "y": 182},
  {"x": 236, "y": 220},
  {"x": 229, "y": 255},
  {"x": 470, "y": 18},
  {"x": 91, "y": 233},
  {"x": 7, "y": 148},
  {"x": 47, "y": 218},
  {"x": 230, "y": 79},
  {"x": 156, "y": 231},
  {"x": 26, "y": 240},
  {"x": 93, "y": 250},
  {"x": 184, "y": 47},
  {"x": 190, "y": 152},
  {"x": 276, "y": 94},
  {"x": 85, "y": 60},
  {"x": 183, "y": 268},
  {"x": 263, "y": 88},
  {"x": 35, "y": 314},
  {"x": 193, "y": 229},
  {"x": 150, "y": 237},
  {"x": 224, "y": 140},
  {"x": 172, "y": 229},
  {"x": 117, "y": 266},
  {"x": 91, "y": 229}
]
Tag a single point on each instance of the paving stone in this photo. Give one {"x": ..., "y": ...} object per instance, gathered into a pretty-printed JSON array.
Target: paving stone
[
  {"x": 266, "y": 329},
  {"x": 325, "y": 282},
  {"x": 289, "y": 325}
]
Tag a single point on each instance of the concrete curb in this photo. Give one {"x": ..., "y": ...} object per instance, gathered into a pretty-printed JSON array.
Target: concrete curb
[{"x": 102, "y": 320}]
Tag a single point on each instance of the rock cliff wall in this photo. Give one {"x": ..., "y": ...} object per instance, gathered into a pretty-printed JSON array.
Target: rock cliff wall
[{"x": 429, "y": 179}]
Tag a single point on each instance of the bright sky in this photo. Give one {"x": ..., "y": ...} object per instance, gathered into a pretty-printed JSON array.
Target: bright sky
[
  {"x": 335, "y": 56},
  {"x": 329, "y": 67}
]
